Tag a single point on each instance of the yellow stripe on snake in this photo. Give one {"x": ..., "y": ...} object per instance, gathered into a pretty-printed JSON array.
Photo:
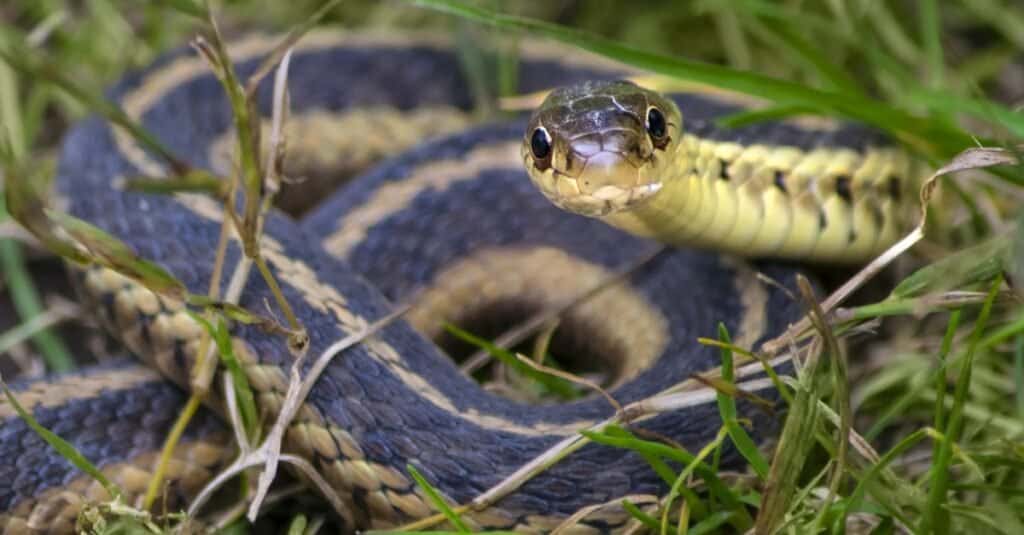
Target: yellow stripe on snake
[{"x": 454, "y": 224}]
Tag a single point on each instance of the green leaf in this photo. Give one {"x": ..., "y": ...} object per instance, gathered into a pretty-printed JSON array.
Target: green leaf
[
  {"x": 243, "y": 392},
  {"x": 727, "y": 411},
  {"x": 621, "y": 438},
  {"x": 936, "y": 516},
  {"x": 652, "y": 523},
  {"x": 116, "y": 255},
  {"x": 711, "y": 523},
  {"x": 32, "y": 65},
  {"x": 26, "y": 206},
  {"x": 63, "y": 447},
  {"x": 555, "y": 385},
  {"x": 28, "y": 306},
  {"x": 919, "y": 131},
  {"x": 298, "y": 525},
  {"x": 195, "y": 181},
  {"x": 190, "y": 8},
  {"x": 436, "y": 500},
  {"x": 772, "y": 113}
]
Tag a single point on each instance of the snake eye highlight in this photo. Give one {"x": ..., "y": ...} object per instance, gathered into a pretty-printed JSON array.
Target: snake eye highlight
[
  {"x": 656, "y": 126},
  {"x": 540, "y": 143}
]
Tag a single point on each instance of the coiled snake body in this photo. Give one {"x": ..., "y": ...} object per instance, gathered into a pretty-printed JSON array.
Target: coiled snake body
[{"x": 455, "y": 222}]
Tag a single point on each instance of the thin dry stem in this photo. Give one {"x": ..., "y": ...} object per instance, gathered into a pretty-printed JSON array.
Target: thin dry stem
[
  {"x": 276, "y": 149},
  {"x": 9, "y": 230},
  {"x": 634, "y": 412},
  {"x": 236, "y": 511},
  {"x": 57, "y": 312},
  {"x": 538, "y": 321},
  {"x": 285, "y": 47},
  {"x": 570, "y": 522},
  {"x": 817, "y": 317},
  {"x": 269, "y": 452},
  {"x": 234, "y": 416},
  {"x": 572, "y": 378},
  {"x": 973, "y": 158}
]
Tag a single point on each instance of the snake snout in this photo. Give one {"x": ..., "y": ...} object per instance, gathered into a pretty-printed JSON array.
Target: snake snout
[
  {"x": 615, "y": 159},
  {"x": 597, "y": 148}
]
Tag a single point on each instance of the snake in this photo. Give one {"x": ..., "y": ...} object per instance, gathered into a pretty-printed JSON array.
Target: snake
[{"x": 403, "y": 195}]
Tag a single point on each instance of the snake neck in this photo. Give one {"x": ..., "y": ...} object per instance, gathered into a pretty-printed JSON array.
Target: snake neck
[{"x": 828, "y": 204}]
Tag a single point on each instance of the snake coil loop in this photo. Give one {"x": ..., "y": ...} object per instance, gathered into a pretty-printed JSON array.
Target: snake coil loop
[{"x": 455, "y": 221}]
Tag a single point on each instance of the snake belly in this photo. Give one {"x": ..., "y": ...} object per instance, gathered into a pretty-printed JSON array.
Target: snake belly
[{"x": 453, "y": 221}]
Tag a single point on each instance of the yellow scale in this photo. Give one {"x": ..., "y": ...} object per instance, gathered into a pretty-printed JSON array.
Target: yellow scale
[{"x": 749, "y": 214}]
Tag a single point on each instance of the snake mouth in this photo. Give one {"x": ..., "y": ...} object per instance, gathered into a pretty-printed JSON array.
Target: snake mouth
[
  {"x": 604, "y": 183},
  {"x": 605, "y": 200}
]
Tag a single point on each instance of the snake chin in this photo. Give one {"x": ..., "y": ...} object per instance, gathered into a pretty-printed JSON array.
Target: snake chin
[{"x": 605, "y": 200}]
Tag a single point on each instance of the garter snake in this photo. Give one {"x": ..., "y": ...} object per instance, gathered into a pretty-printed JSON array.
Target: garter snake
[
  {"x": 452, "y": 220},
  {"x": 630, "y": 157}
]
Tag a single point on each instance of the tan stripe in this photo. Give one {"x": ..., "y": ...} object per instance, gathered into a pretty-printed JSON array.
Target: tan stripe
[
  {"x": 549, "y": 278},
  {"x": 346, "y": 141},
  {"x": 189, "y": 67},
  {"x": 319, "y": 295},
  {"x": 55, "y": 510},
  {"x": 393, "y": 197},
  {"x": 753, "y": 299},
  {"x": 43, "y": 394},
  {"x": 324, "y": 298}
]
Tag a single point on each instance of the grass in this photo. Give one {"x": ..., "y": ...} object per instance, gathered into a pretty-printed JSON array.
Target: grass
[{"x": 937, "y": 391}]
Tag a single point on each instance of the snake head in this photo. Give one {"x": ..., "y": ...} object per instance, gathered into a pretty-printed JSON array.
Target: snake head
[{"x": 595, "y": 148}]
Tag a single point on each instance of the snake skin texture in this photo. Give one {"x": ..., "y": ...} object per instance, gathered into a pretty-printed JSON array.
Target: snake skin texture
[
  {"x": 451, "y": 205},
  {"x": 115, "y": 413}
]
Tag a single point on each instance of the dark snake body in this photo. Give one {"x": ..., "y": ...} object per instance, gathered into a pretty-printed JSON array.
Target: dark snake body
[{"x": 461, "y": 438}]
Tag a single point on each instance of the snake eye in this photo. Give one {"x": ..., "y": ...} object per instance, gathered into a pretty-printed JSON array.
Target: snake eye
[
  {"x": 656, "y": 123},
  {"x": 540, "y": 143}
]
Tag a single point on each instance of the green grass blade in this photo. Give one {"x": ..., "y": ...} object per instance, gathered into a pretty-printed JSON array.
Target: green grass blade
[
  {"x": 1005, "y": 17},
  {"x": 921, "y": 131},
  {"x": 914, "y": 394},
  {"x": 298, "y": 525},
  {"x": 553, "y": 384},
  {"x": 972, "y": 265},
  {"x": 985, "y": 110},
  {"x": 621, "y": 438},
  {"x": 434, "y": 532},
  {"x": 939, "y": 421},
  {"x": 791, "y": 453},
  {"x": 771, "y": 113},
  {"x": 1018, "y": 374},
  {"x": 936, "y": 516},
  {"x": 191, "y": 8},
  {"x": 873, "y": 474},
  {"x": 221, "y": 336},
  {"x": 436, "y": 500},
  {"x": 711, "y": 524},
  {"x": 32, "y": 66},
  {"x": 63, "y": 447},
  {"x": 931, "y": 36},
  {"x": 727, "y": 410},
  {"x": 653, "y": 524},
  {"x": 28, "y": 306},
  {"x": 811, "y": 58}
]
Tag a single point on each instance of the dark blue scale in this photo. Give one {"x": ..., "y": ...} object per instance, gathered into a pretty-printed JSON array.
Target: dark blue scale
[{"x": 391, "y": 422}]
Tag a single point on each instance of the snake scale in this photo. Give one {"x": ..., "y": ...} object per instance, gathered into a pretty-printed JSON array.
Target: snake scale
[{"x": 453, "y": 221}]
